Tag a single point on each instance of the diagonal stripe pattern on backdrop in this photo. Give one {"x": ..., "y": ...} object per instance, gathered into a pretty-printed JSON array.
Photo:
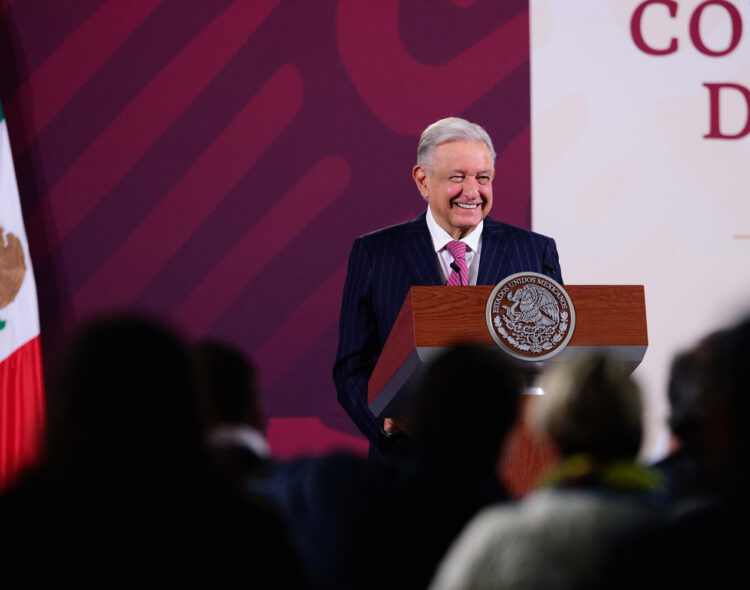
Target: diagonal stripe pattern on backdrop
[
  {"x": 80, "y": 57},
  {"x": 142, "y": 122},
  {"x": 160, "y": 235},
  {"x": 314, "y": 193}
]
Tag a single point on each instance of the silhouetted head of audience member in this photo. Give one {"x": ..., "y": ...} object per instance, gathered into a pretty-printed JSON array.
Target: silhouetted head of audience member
[
  {"x": 690, "y": 385},
  {"x": 231, "y": 384},
  {"x": 235, "y": 442},
  {"x": 591, "y": 406},
  {"x": 124, "y": 400},
  {"x": 727, "y": 437},
  {"x": 127, "y": 471},
  {"x": 465, "y": 406}
]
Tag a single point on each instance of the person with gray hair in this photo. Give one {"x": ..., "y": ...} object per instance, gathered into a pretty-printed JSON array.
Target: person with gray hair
[
  {"x": 453, "y": 242},
  {"x": 450, "y": 129},
  {"x": 593, "y": 408},
  {"x": 566, "y": 533}
]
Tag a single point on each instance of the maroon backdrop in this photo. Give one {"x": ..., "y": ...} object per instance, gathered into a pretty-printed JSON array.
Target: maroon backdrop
[{"x": 212, "y": 162}]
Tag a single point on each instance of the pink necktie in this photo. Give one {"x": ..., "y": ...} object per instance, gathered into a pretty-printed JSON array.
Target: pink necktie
[{"x": 458, "y": 251}]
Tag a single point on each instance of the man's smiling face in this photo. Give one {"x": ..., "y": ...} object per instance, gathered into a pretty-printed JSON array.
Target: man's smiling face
[{"x": 457, "y": 183}]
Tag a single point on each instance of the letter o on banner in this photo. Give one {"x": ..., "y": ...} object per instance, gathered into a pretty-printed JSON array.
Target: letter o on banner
[{"x": 695, "y": 32}]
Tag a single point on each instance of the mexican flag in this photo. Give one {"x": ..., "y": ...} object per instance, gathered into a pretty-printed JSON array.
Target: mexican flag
[{"x": 21, "y": 385}]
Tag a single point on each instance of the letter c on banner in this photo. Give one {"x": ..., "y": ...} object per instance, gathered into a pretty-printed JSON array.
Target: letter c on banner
[
  {"x": 695, "y": 30},
  {"x": 637, "y": 34}
]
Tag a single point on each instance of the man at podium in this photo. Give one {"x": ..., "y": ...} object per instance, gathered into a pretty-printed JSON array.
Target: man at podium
[{"x": 453, "y": 242}]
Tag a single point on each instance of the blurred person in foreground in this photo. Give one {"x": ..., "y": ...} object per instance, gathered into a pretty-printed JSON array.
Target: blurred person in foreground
[
  {"x": 126, "y": 496},
  {"x": 558, "y": 535},
  {"x": 367, "y": 525},
  {"x": 687, "y": 469},
  {"x": 235, "y": 434},
  {"x": 705, "y": 541}
]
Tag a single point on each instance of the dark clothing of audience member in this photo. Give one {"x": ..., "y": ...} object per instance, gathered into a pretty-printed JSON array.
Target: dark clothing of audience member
[
  {"x": 363, "y": 524},
  {"x": 705, "y": 542},
  {"x": 686, "y": 470},
  {"x": 127, "y": 497},
  {"x": 110, "y": 534}
]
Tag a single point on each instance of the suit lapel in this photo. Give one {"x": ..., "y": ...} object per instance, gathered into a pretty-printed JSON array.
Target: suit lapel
[
  {"x": 495, "y": 253},
  {"x": 419, "y": 253},
  {"x": 421, "y": 261}
]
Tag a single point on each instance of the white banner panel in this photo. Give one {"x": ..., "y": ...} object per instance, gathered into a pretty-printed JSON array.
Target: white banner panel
[{"x": 641, "y": 162}]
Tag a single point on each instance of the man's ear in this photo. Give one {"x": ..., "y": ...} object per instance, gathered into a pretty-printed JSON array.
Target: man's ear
[{"x": 420, "y": 178}]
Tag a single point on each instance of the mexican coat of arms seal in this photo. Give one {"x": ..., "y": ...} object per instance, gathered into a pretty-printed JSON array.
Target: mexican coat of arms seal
[{"x": 530, "y": 316}]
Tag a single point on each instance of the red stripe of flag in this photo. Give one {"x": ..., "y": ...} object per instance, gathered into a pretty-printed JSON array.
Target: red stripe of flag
[{"x": 22, "y": 413}]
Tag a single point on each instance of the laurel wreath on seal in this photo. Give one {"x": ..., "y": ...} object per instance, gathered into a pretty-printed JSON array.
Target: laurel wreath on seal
[{"x": 532, "y": 337}]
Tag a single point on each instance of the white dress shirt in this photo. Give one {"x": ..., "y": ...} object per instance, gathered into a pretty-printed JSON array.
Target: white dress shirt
[{"x": 440, "y": 238}]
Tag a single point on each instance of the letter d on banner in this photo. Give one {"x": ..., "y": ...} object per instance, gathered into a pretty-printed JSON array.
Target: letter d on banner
[{"x": 714, "y": 90}]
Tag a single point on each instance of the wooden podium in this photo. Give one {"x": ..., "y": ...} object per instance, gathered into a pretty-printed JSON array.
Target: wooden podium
[{"x": 609, "y": 318}]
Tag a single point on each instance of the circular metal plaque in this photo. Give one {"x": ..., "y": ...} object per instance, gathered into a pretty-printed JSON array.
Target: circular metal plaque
[{"x": 530, "y": 316}]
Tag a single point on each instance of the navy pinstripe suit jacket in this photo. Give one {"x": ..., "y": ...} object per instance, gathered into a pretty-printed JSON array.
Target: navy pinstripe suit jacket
[{"x": 384, "y": 265}]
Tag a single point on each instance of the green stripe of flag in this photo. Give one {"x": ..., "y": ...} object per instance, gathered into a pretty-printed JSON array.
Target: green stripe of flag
[{"x": 2, "y": 117}]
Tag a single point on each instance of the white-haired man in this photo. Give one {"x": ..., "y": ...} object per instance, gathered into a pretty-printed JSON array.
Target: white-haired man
[{"x": 454, "y": 242}]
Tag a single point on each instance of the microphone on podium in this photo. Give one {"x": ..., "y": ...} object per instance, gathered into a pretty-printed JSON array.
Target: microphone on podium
[{"x": 457, "y": 268}]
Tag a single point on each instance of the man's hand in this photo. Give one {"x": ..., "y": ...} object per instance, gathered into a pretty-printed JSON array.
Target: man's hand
[{"x": 394, "y": 426}]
